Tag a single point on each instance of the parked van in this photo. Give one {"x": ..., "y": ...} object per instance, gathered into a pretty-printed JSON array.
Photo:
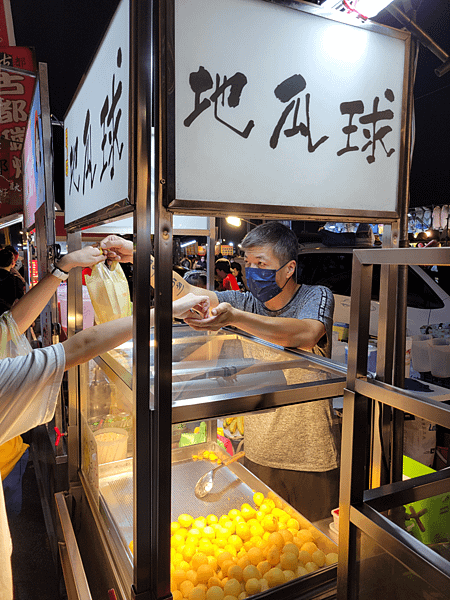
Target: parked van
[{"x": 427, "y": 301}]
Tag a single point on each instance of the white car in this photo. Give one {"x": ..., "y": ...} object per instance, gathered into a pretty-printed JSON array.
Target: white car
[{"x": 428, "y": 303}]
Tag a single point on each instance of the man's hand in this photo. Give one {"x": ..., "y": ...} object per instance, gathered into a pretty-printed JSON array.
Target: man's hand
[
  {"x": 191, "y": 307},
  {"x": 222, "y": 315},
  {"x": 288, "y": 332},
  {"x": 117, "y": 248},
  {"x": 86, "y": 257}
]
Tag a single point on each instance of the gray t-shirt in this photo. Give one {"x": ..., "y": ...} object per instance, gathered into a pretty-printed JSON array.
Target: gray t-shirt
[{"x": 301, "y": 437}]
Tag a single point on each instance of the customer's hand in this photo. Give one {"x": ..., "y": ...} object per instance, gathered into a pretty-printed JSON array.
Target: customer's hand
[
  {"x": 192, "y": 306},
  {"x": 86, "y": 257},
  {"x": 117, "y": 248}
]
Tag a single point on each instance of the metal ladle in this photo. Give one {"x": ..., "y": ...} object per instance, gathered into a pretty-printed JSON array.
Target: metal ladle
[{"x": 205, "y": 483}]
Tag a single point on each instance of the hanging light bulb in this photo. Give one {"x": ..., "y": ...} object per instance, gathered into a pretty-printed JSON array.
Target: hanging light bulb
[{"x": 235, "y": 221}]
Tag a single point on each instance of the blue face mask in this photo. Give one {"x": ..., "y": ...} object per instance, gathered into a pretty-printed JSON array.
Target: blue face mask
[{"x": 262, "y": 283}]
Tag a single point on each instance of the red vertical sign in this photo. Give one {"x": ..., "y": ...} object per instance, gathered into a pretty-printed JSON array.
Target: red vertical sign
[
  {"x": 16, "y": 92},
  {"x": 6, "y": 24}
]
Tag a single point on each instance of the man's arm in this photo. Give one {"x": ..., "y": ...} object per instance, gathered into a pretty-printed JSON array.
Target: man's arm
[
  {"x": 30, "y": 306},
  {"x": 180, "y": 287},
  {"x": 288, "y": 332},
  {"x": 118, "y": 248}
]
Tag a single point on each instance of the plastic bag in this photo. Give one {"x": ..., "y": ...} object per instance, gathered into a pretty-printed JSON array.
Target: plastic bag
[
  {"x": 109, "y": 292},
  {"x": 419, "y": 442},
  {"x": 18, "y": 345}
]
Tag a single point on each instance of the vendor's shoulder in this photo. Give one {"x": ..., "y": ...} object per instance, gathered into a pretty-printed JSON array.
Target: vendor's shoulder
[{"x": 306, "y": 289}]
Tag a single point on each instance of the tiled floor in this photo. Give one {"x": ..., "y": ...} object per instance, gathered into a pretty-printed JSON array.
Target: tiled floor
[{"x": 34, "y": 572}]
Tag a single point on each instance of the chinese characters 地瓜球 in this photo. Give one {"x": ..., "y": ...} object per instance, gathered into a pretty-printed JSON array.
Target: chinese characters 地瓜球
[{"x": 231, "y": 90}]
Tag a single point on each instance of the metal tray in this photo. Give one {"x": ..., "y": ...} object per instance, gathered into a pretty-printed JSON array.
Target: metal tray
[{"x": 233, "y": 486}]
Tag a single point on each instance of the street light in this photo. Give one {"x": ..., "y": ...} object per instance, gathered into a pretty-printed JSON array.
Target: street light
[
  {"x": 366, "y": 9},
  {"x": 236, "y": 221}
]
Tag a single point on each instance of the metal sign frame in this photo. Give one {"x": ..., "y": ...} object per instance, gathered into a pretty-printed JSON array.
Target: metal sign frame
[
  {"x": 225, "y": 207},
  {"x": 111, "y": 118}
]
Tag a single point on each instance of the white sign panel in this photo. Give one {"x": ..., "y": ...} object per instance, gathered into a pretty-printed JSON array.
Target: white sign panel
[
  {"x": 96, "y": 127},
  {"x": 275, "y": 106}
]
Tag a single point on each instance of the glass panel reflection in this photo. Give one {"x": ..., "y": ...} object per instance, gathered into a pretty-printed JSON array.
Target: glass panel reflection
[
  {"x": 382, "y": 576},
  {"x": 206, "y": 364}
]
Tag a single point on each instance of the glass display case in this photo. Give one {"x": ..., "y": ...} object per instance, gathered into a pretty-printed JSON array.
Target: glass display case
[
  {"x": 212, "y": 372},
  {"x": 217, "y": 378}
]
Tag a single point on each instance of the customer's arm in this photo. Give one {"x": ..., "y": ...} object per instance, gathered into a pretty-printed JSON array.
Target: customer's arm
[
  {"x": 122, "y": 250},
  {"x": 91, "y": 342},
  {"x": 30, "y": 306}
]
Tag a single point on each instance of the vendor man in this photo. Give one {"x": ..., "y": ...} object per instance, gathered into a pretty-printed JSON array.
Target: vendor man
[{"x": 293, "y": 449}]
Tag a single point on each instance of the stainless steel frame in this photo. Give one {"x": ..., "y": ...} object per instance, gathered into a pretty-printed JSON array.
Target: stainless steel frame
[
  {"x": 143, "y": 94},
  {"x": 152, "y": 105},
  {"x": 255, "y": 211},
  {"x": 50, "y": 462},
  {"x": 359, "y": 506},
  {"x": 74, "y": 324},
  {"x": 77, "y": 586},
  {"x": 102, "y": 216}
]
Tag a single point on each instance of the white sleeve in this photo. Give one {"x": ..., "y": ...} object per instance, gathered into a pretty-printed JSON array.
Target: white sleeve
[{"x": 29, "y": 388}]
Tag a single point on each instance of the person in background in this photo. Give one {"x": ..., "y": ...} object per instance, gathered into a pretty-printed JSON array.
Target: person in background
[
  {"x": 17, "y": 267},
  {"x": 197, "y": 278},
  {"x": 294, "y": 449},
  {"x": 201, "y": 263},
  {"x": 29, "y": 384},
  {"x": 236, "y": 270},
  {"x": 224, "y": 274},
  {"x": 185, "y": 263},
  {"x": 12, "y": 286}
]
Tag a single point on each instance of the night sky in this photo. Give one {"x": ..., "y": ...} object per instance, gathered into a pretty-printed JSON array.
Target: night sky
[{"x": 66, "y": 35}]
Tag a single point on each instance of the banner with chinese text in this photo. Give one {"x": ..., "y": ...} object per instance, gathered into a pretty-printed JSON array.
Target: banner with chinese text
[{"x": 17, "y": 81}]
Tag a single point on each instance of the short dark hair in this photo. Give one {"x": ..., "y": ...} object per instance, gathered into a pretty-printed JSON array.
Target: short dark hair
[
  {"x": 197, "y": 278},
  {"x": 6, "y": 258},
  {"x": 282, "y": 240},
  {"x": 12, "y": 249},
  {"x": 236, "y": 265},
  {"x": 223, "y": 265}
]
